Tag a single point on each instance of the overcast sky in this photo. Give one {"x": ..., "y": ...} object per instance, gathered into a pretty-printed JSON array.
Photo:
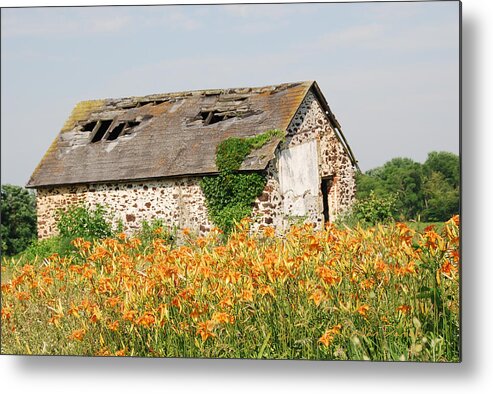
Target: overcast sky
[{"x": 389, "y": 71}]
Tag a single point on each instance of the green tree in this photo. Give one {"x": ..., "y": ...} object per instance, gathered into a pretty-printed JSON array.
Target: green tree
[
  {"x": 18, "y": 219},
  {"x": 429, "y": 190},
  {"x": 401, "y": 177},
  {"x": 445, "y": 163},
  {"x": 367, "y": 184},
  {"x": 441, "y": 188},
  {"x": 441, "y": 198}
]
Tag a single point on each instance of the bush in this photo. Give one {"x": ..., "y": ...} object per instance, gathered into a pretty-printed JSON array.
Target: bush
[
  {"x": 18, "y": 224},
  {"x": 156, "y": 229},
  {"x": 82, "y": 222},
  {"x": 44, "y": 248},
  {"x": 374, "y": 209}
]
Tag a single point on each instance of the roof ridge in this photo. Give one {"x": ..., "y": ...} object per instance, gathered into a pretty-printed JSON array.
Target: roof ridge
[{"x": 203, "y": 91}]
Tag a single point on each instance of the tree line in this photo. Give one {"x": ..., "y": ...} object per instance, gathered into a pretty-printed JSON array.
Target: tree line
[{"x": 408, "y": 190}]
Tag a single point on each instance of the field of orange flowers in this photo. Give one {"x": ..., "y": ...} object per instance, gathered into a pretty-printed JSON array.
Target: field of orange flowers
[{"x": 382, "y": 293}]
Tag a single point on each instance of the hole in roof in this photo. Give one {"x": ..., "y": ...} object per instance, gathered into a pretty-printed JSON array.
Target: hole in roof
[
  {"x": 104, "y": 125},
  {"x": 115, "y": 133},
  {"x": 89, "y": 126},
  {"x": 211, "y": 117},
  {"x": 130, "y": 125}
]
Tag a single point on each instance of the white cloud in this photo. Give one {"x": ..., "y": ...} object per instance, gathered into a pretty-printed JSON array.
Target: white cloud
[
  {"x": 265, "y": 11},
  {"x": 380, "y": 36},
  {"x": 76, "y": 22},
  {"x": 351, "y": 36},
  {"x": 264, "y": 18},
  {"x": 61, "y": 22},
  {"x": 107, "y": 25},
  {"x": 182, "y": 20}
]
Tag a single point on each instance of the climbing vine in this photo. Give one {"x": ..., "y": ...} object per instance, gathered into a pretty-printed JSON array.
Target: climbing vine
[{"x": 231, "y": 194}]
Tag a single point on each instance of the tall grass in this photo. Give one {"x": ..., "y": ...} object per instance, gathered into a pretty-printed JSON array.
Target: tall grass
[{"x": 382, "y": 293}]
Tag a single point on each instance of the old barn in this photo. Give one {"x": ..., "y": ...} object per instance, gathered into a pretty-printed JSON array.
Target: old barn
[{"x": 143, "y": 157}]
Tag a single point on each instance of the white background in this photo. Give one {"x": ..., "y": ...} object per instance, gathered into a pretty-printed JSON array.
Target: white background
[{"x": 84, "y": 375}]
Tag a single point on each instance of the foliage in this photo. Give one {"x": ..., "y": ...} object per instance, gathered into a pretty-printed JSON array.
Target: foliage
[
  {"x": 232, "y": 151},
  {"x": 445, "y": 163},
  {"x": 428, "y": 191},
  {"x": 18, "y": 219},
  {"x": 156, "y": 229},
  {"x": 230, "y": 195},
  {"x": 382, "y": 293},
  {"x": 79, "y": 221},
  {"x": 441, "y": 198},
  {"x": 441, "y": 186},
  {"x": 374, "y": 209},
  {"x": 41, "y": 249},
  {"x": 404, "y": 177}
]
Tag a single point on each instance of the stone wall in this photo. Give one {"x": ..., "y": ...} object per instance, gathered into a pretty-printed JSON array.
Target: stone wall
[
  {"x": 178, "y": 202},
  {"x": 181, "y": 203}
]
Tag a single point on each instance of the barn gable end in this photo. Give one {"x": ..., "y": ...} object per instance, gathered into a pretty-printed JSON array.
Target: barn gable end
[{"x": 313, "y": 156}]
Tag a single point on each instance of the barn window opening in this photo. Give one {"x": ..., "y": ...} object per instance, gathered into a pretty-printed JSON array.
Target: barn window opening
[
  {"x": 89, "y": 126},
  {"x": 115, "y": 133},
  {"x": 104, "y": 125},
  {"x": 211, "y": 117}
]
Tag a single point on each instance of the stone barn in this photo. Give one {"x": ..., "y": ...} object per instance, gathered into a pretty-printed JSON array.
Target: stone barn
[{"x": 143, "y": 157}]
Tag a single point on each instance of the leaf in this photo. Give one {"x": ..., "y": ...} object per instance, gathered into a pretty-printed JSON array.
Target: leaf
[{"x": 261, "y": 351}]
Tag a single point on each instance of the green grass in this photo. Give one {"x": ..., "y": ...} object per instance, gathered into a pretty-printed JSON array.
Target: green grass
[{"x": 420, "y": 226}]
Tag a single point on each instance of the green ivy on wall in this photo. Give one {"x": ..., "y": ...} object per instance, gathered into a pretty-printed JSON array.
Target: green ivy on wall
[{"x": 231, "y": 194}]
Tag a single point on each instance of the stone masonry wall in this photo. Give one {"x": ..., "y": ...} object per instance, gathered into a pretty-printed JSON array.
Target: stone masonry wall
[
  {"x": 178, "y": 202},
  {"x": 310, "y": 123}
]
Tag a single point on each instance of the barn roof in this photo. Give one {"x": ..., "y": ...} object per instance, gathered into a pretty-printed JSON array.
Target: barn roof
[{"x": 166, "y": 135}]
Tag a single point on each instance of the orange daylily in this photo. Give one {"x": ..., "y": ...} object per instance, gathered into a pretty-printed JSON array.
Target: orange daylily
[
  {"x": 328, "y": 336},
  {"x": 78, "y": 335},
  {"x": 205, "y": 329},
  {"x": 363, "y": 310}
]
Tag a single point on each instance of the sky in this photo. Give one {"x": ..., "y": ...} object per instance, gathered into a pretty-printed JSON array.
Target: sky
[{"x": 389, "y": 71}]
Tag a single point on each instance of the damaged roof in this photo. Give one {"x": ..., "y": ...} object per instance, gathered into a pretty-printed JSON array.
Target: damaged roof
[{"x": 167, "y": 135}]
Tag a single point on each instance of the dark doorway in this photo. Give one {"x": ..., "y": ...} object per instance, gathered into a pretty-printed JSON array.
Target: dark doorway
[{"x": 326, "y": 185}]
